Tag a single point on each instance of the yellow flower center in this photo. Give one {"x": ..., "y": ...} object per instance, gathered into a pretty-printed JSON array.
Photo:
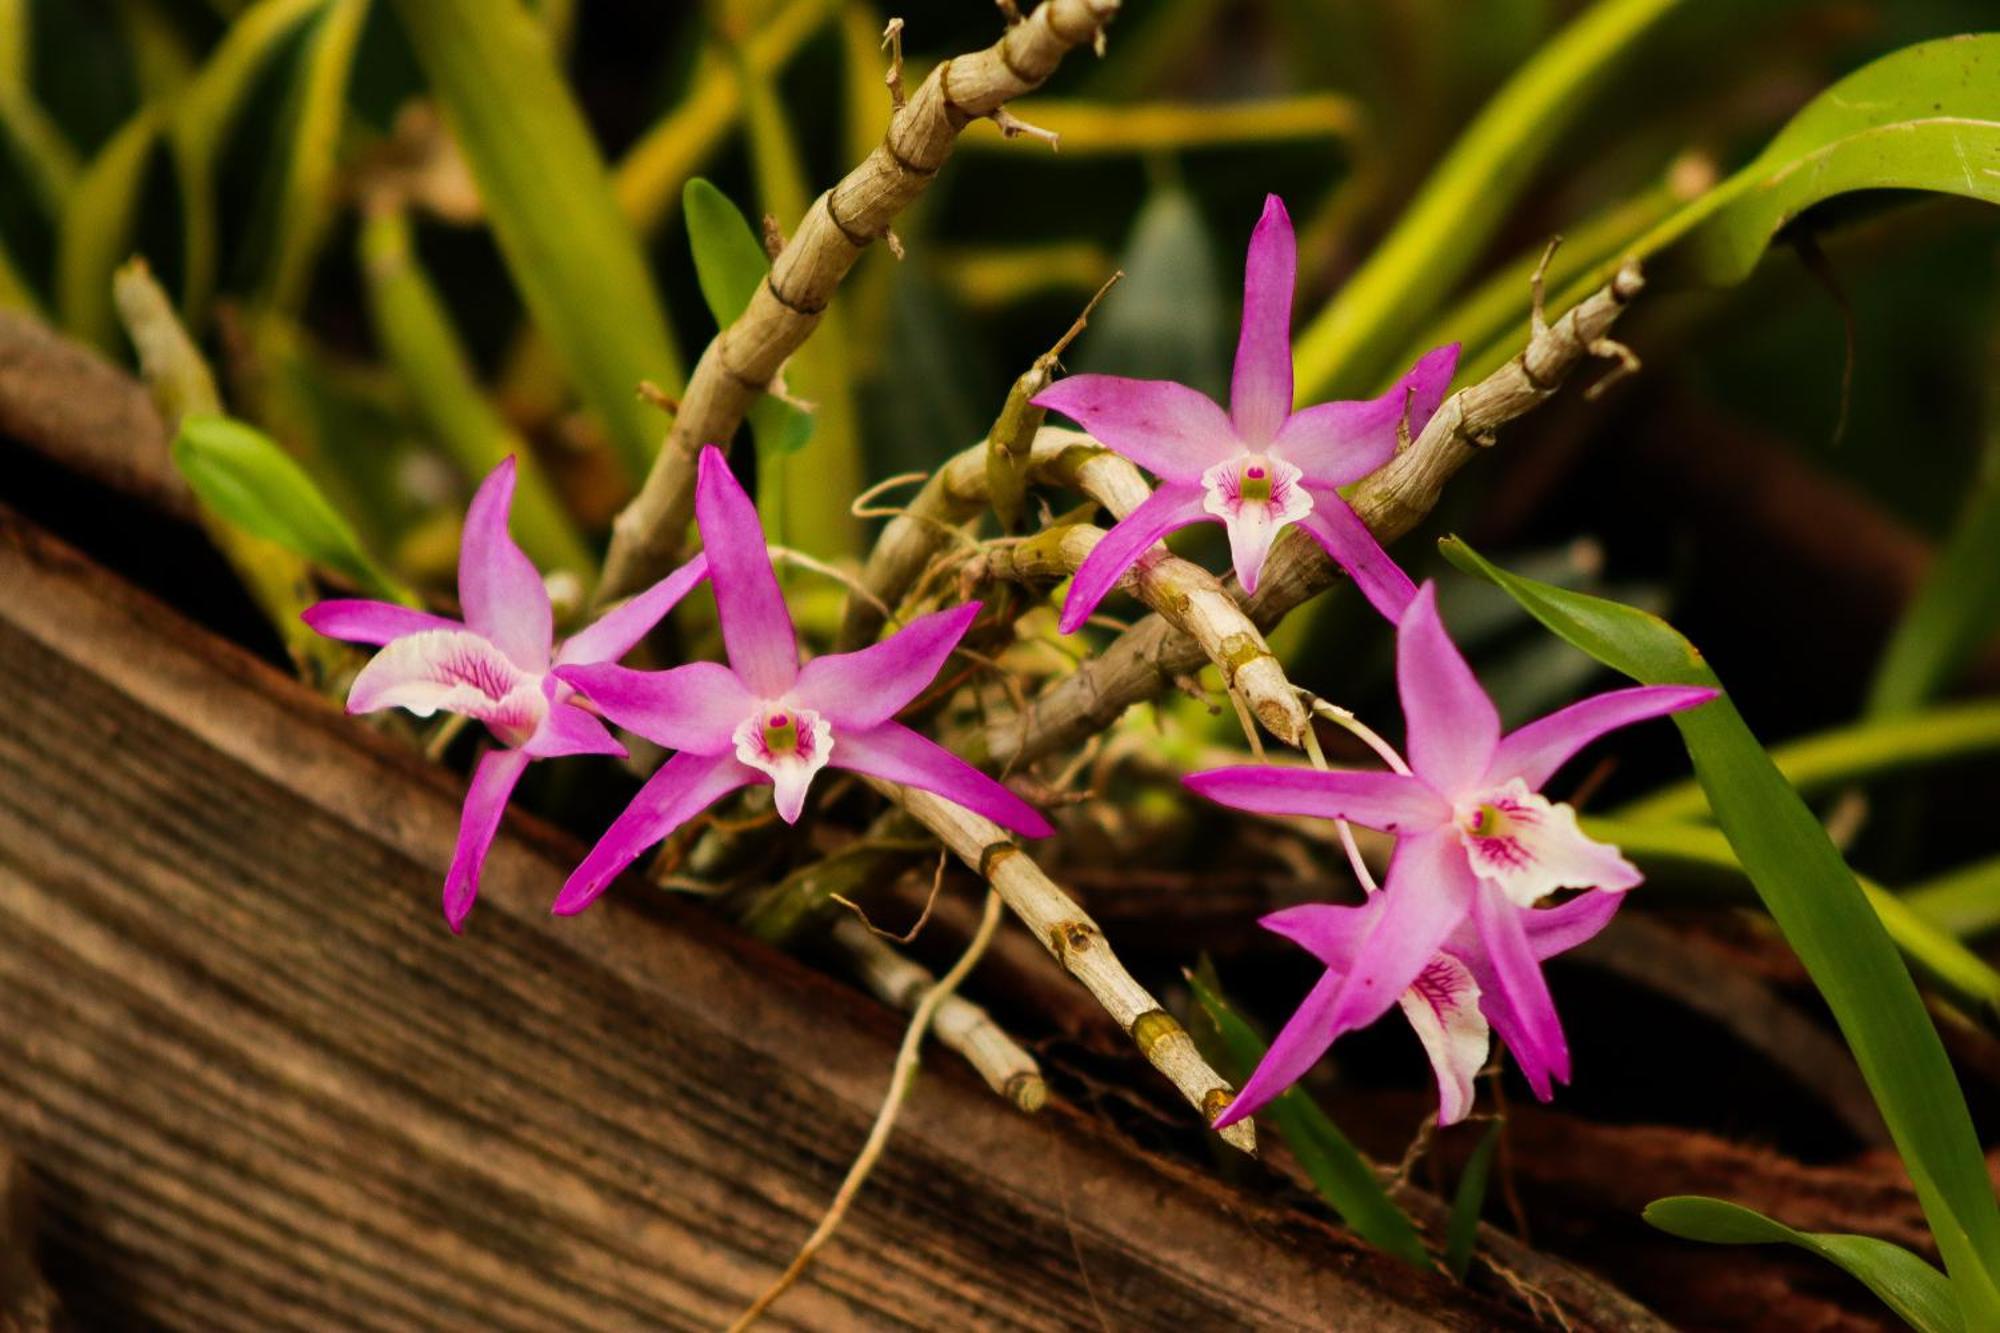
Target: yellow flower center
[
  {"x": 1255, "y": 483},
  {"x": 781, "y": 733}
]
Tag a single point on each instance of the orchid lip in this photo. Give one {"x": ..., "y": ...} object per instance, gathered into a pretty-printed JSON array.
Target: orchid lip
[{"x": 788, "y": 745}]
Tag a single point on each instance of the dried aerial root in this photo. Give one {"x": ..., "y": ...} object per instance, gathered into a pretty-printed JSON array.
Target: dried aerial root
[
  {"x": 960, "y": 1024},
  {"x": 904, "y": 1074}
]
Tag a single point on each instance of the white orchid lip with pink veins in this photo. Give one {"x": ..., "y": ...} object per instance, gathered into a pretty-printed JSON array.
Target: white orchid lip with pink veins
[
  {"x": 1478, "y": 849},
  {"x": 1259, "y": 467}
]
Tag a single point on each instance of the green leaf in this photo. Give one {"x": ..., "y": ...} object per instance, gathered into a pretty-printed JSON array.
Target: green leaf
[
  {"x": 1958, "y": 607},
  {"x": 1345, "y": 349},
  {"x": 1825, "y": 916},
  {"x": 1963, "y": 902},
  {"x": 1344, "y": 1178},
  {"x": 198, "y": 132},
  {"x": 1919, "y": 1294},
  {"x": 97, "y": 229},
  {"x": 1852, "y": 754},
  {"x": 1923, "y": 118},
  {"x": 1463, "y": 1230},
  {"x": 729, "y": 262},
  {"x": 416, "y": 334},
  {"x": 1962, "y": 975},
  {"x": 1167, "y": 318},
  {"x": 242, "y": 474},
  {"x": 310, "y": 155},
  {"x": 571, "y": 252}
]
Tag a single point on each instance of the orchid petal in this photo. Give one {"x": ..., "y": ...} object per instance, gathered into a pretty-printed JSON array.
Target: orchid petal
[
  {"x": 1558, "y": 929},
  {"x": 498, "y": 587},
  {"x": 1453, "y": 729},
  {"x": 1341, "y": 442},
  {"x": 1536, "y": 751},
  {"x": 1345, "y": 538},
  {"x": 756, "y": 627},
  {"x": 1530, "y": 846},
  {"x": 1443, "y": 1007},
  {"x": 1171, "y": 507},
  {"x": 1428, "y": 893},
  {"x": 485, "y": 801},
  {"x": 1391, "y": 802},
  {"x": 1514, "y": 993},
  {"x": 1260, "y": 391},
  {"x": 695, "y": 707},
  {"x": 1174, "y": 432},
  {"x": 452, "y": 671},
  {"x": 614, "y": 632},
  {"x": 357, "y": 620},
  {"x": 569, "y": 730},
  {"x": 862, "y": 689},
  {"x": 1300, "y": 1043},
  {"x": 1332, "y": 934},
  {"x": 897, "y": 754},
  {"x": 686, "y": 785}
]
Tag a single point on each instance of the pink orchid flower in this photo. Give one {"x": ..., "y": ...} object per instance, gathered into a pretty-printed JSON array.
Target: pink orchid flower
[
  {"x": 1455, "y": 1004},
  {"x": 1477, "y": 843},
  {"x": 763, "y": 717},
  {"x": 494, "y": 667},
  {"x": 1260, "y": 466}
]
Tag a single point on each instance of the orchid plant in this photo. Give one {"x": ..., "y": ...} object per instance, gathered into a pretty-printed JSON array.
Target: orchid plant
[
  {"x": 1479, "y": 848},
  {"x": 498, "y": 666},
  {"x": 764, "y": 718},
  {"x": 1259, "y": 467}
]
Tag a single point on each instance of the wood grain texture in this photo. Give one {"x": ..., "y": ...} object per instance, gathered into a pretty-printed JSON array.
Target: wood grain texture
[{"x": 261, "y": 1087}]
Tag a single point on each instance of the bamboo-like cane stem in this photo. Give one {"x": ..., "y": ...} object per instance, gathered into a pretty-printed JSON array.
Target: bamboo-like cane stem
[
  {"x": 745, "y": 357},
  {"x": 1145, "y": 660},
  {"x": 1189, "y": 596},
  {"x": 1067, "y": 932},
  {"x": 959, "y": 1024}
]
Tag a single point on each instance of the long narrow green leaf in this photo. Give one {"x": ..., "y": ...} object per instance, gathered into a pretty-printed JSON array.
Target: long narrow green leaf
[
  {"x": 311, "y": 155},
  {"x": 812, "y": 491},
  {"x": 729, "y": 263},
  {"x": 1344, "y": 1178},
  {"x": 1919, "y": 1294},
  {"x": 415, "y": 332},
  {"x": 16, "y": 292},
  {"x": 97, "y": 229},
  {"x": 1825, "y": 916},
  {"x": 571, "y": 252},
  {"x": 1347, "y": 346},
  {"x": 1958, "y": 607},
  {"x": 1463, "y": 1231},
  {"x": 1852, "y": 754},
  {"x": 1964, "y": 902},
  {"x": 202, "y": 119},
  {"x": 242, "y": 474},
  {"x": 1923, "y": 118},
  {"x": 47, "y": 159},
  {"x": 1958, "y": 972}
]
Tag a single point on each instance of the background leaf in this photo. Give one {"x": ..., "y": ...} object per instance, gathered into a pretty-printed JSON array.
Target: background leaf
[
  {"x": 1470, "y": 1200},
  {"x": 570, "y": 250},
  {"x": 1919, "y": 1294},
  {"x": 242, "y": 474},
  {"x": 1344, "y": 1178}
]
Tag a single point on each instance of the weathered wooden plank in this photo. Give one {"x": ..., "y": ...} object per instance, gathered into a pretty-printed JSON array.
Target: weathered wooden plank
[{"x": 263, "y": 1088}]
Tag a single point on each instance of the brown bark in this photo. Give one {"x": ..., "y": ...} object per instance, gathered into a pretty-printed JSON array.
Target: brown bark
[{"x": 62, "y": 399}]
